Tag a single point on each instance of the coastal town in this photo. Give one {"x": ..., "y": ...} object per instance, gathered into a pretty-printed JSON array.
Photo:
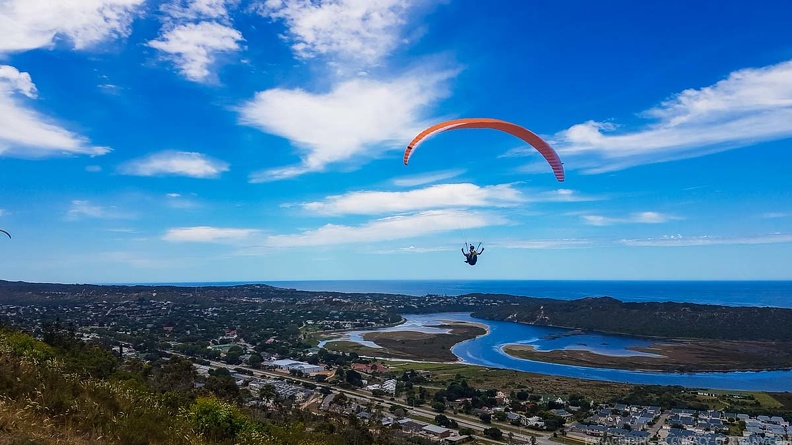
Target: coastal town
[
  {"x": 615, "y": 423},
  {"x": 277, "y": 351}
]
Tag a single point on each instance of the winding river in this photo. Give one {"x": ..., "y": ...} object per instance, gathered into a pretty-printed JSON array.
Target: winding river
[{"x": 487, "y": 350}]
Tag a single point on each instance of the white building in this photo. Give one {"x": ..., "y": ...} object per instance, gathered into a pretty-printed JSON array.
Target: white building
[{"x": 389, "y": 386}]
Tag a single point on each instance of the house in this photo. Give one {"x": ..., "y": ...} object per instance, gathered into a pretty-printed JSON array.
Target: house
[
  {"x": 533, "y": 422},
  {"x": 437, "y": 431},
  {"x": 327, "y": 401},
  {"x": 410, "y": 425},
  {"x": 456, "y": 439},
  {"x": 562, "y": 413}
]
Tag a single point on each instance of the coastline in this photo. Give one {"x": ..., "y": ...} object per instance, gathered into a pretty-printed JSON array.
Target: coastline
[{"x": 415, "y": 344}]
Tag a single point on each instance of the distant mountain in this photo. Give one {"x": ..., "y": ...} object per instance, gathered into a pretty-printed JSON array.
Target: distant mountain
[{"x": 676, "y": 320}]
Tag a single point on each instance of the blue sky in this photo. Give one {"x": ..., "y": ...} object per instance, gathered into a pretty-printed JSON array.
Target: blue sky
[{"x": 234, "y": 140}]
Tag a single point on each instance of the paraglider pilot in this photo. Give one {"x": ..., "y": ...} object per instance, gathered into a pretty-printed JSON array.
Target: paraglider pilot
[{"x": 471, "y": 257}]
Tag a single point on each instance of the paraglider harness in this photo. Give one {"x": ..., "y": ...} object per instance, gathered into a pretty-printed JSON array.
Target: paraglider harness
[{"x": 471, "y": 256}]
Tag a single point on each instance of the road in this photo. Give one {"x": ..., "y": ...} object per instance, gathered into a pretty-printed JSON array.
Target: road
[{"x": 463, "y": 421}]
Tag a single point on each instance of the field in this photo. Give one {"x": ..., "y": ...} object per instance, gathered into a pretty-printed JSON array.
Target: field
[{"x": 507, "y": 380}]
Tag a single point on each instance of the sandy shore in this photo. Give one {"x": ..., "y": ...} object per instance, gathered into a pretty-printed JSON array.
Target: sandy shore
[
  {"x": 674, "y": 356},
  {"x": 467, "y": 323}
]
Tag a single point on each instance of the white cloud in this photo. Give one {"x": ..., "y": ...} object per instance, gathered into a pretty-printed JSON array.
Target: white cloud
[
  {"x": 81, "y": 209},
  {"x": 199, "y": 9},
  {"x": 749, "y": 106},
  {"x": 640, "y": 218},
  {"x": 562, "y": 195},
  {"x": 93, "y": 168},
  {"x": 195, "y": 47},
  {"x": 428, "y": 178},
  {"x": 350, "y": 30},
  {"x": 432, "y": 197},
  {"x": 358, "y": 117},
  {"x": 685, "y": 241},
  {"x": 2, "y": 212},
  {"x": 207, "y": 234},
  {"x": 30, "y": 24},
  {"x": 11, "y": 80},
  {"x": 177, "y": 163},
  {"x": 392, "y": 228},
  {"x": 25, "y": 132}
]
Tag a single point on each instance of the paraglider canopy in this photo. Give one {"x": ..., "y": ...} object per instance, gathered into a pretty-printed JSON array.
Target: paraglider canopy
[
  {"x": 9, "y": 235},
  {"x": 496, "y": 124}
]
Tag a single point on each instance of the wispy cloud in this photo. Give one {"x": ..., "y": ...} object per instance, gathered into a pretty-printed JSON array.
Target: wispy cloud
[
  {"x": 348, "y": 30},
  {"x": 432, "y": 197},
  {"x": 414, "y": 249},
  {"x": 199, "y": 9},
  {"x": 82, "y": 209},
  {"x": 176, "y": 163},
  {"x": 179, "y": 201},
  {"x": 28, "y": 134},
  {"x": 391, "y": 228},
  {"x": 428, "y": 178},
  {"x": 359, "y": 117},
  {"x": 563, "y": 195},
  {"x": 542, "y": 244},
  {"x": 195, "y": 47},
  {"x": 773, "y": 215},
  {"x": 634, "y": 218},
  {"x": 31, "y": 24},
  {"x": 706, "y": 240},
  {"x": 208, "y": 234},
  {"x": 749, "y": 106}
]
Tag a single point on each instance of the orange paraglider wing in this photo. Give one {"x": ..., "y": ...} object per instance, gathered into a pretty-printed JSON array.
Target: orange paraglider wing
[{"x": 496, "y": 124}]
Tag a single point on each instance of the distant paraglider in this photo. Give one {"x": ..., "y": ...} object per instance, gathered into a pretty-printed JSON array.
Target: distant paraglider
[
  {"x": 496, "y": 124},
  {"x": 9, "y": 235}
]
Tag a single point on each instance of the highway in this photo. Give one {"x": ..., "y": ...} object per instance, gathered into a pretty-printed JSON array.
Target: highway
[{"x": 365, "y": 397}]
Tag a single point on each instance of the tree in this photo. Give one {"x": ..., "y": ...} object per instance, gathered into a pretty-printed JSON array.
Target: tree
[
  {"x": 493, "y": 433},
  {"x": 178, "y": 374},
  {"x": 353, "y": 377},
  {"x": 438, "y": 406},
  {"x": 466, "y": 432},
  {"x": 442, "y": 420},
  {"x": 255, "y": 361}
]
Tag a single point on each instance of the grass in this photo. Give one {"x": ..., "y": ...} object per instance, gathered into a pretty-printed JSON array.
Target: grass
[
  {"x": 765, "y": 399},
  {"x": 507, "y": 380}
]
